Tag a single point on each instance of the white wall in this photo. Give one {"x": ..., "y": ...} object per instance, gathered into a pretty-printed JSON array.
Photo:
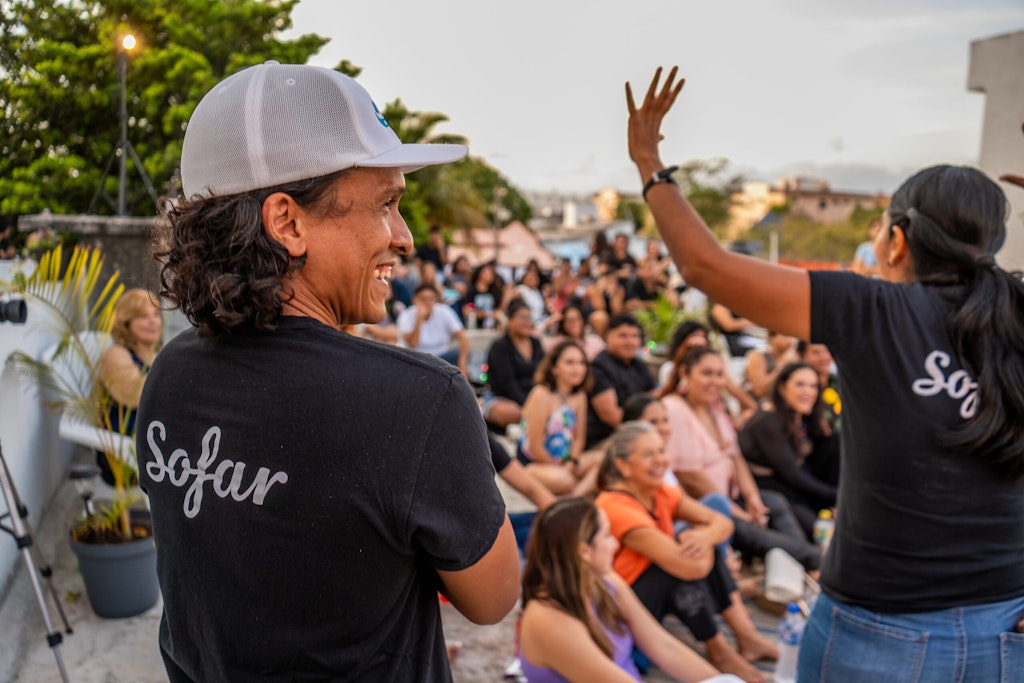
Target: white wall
[
  {"x": 997, "y": 70},
  {"x": 36, "y": 458}
]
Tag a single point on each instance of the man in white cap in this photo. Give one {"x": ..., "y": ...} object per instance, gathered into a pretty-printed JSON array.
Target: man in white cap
[{"x": 311, "y": 491}]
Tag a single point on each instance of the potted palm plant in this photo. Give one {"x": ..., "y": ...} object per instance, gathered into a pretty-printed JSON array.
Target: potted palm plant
[{"x": 114, "y": 544}]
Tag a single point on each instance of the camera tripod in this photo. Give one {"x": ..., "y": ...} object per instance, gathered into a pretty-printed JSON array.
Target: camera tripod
[{"x": 20, "y": 529}]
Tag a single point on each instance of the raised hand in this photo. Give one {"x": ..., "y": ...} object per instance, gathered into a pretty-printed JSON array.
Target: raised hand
[{"x": 645, "y": 120}]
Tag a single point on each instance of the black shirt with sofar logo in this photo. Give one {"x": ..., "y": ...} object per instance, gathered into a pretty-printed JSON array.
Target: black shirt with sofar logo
[
  {"x": 305, "y": 486},
  {"x": 919, "y": 527}
]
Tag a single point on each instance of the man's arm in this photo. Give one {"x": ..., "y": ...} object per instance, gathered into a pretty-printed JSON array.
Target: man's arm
[{"x": 485, "y": 592}]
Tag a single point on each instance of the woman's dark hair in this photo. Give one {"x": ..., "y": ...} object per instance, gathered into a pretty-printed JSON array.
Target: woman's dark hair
[
  {"x": 555, "y": 571},
  {"x": 682, "y": 364},
  {"x": 815, "y": 422},
  {"x": 682, "y": 332},
  {"x": 220, "y": 267},
  {"x": 546, "y": 377},
  {"x": 516, "y": 305},
  {"x": 496, "y": 289},
  {"x": 561, "y": 321},
  {"x": 633, "y": 407},
  {"x": 954, "y": 221}
]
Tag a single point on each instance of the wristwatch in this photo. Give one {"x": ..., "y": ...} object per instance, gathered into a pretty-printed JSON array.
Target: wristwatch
[{"x": 662, "y": 176}]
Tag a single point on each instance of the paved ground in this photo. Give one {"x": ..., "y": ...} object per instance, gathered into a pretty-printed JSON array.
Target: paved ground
[{"x": 125, "y": 651}]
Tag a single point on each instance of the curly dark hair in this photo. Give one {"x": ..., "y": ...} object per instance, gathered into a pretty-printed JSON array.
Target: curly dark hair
[{"x": 219, "y": 266}]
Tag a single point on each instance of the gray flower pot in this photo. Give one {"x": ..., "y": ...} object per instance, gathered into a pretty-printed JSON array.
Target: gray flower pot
[{"x": 120, "y": 579}]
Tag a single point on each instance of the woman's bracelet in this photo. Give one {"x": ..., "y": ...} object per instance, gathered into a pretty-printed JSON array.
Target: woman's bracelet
[{"x": 662, "y": 176}]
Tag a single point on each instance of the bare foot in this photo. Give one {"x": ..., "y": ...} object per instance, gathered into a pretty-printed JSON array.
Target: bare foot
[
  {"x": 755, "y": 647},
  {"x": 727, "y": 660},
  {"x": 748, "y": 587},
  {"x": 453, "y": 650}
]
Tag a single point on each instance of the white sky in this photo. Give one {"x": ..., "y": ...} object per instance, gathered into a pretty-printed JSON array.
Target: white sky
[{"x": 859, "y": 92}]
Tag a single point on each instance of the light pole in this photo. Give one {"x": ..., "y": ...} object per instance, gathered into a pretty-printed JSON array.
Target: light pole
[{"x": 127, "y": 43}]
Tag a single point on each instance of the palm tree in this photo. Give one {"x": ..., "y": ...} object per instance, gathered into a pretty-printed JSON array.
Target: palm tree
[{"x": 79, "y": 305}]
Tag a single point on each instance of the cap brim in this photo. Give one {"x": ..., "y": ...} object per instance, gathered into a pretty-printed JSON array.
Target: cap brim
[{"x": 412, "y": 157}]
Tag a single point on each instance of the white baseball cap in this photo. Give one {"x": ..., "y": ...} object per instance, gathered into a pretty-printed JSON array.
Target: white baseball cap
[{"x": 274, "y": 123}]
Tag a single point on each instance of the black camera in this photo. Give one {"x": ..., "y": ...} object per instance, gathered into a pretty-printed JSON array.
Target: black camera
[{"x": 13, "y": 311}]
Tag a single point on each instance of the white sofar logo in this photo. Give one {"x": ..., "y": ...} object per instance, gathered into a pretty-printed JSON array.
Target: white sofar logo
[
  {"x": 179, "y": 470},
  {"x": 958, "y": 385}
]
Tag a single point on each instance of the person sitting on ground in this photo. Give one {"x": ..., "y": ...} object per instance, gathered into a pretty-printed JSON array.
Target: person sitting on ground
[
  {"x": 571, "y": 325},
  {"x": 688, "y": 334},
  {"x": 581, "y": 619},
  {"x": 512, "y": 362},
  {"x": 733, "y": 328},
  {"x": 554, "y": 424},
  {"x": 622, "y": 263},
  {"x": 618, "y": 374},
  {"x": 428, "y": 326},
  {"x": 825, "y": 465},
  {"x": 434, "y": 250},
  {"x": 675, "y": 572},
  {"x": 136, "y": 334},
  {"x": 706, "y": 458},
  {"x": 484, "y": 302},
  {"x": 603, "y": 298},
  {"x": 781, "y": 440},
  {"x": 763, "y": 365},
  {"x": 529, "y": 291}
]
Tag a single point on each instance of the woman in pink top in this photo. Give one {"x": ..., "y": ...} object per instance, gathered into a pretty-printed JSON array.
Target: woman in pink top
[{"x": 706, "y": 458}]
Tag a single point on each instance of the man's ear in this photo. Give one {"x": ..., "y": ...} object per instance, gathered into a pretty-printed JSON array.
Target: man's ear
[{"x": 281, "y": 222}]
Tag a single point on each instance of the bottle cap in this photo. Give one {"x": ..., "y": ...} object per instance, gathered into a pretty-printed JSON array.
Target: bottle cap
[
  {"x": 825, "y": 514},
  {"x": 792, "y": 608}
]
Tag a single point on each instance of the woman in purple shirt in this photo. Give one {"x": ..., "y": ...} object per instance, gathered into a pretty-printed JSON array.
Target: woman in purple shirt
[{"x": 580, "y": 619}]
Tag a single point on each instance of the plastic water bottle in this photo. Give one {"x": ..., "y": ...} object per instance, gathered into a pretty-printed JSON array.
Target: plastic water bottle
[
  {"x": 790, "y": 633},
  {"x": 470, "y": 317},
  {"x": 824, "y": 526}
]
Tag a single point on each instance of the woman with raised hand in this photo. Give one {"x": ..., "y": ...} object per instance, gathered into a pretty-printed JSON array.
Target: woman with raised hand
[
  {"x": 924, "y": 571},
  {"x": 581, "y": 620}
]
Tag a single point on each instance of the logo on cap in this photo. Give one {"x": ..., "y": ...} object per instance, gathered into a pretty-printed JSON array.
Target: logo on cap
[{"x": 380, "y": 117}]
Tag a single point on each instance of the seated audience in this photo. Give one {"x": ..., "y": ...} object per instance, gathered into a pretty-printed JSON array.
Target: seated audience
[
  {"x": 554, "y": 422},
  {"x": 706, "y": 458},
  {"x": 529, "y": 291},
  {"x": 512, "y": 362},
  {"x": 429, "y": 326},
  {"x": 618, "y": 374},
  {"x": 763, "y": 365},
  {"x": 826, "y": 465},
  {"x": 782, "y": 438},
  {"x": 671, "y": 572},
  {"x": 580, "y": 619}
]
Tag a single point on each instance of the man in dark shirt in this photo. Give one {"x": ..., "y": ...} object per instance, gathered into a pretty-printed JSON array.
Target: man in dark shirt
[
  {"x": 433, "y": 249},
  {"x": 618, "y": 374}
]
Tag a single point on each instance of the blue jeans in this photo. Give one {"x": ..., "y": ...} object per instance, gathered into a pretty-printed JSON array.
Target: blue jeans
[{"x": 849, "y": 644}]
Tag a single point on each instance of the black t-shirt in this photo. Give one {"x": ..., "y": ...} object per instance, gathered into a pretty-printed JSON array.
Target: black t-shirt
[
  {"x": 425, "y": 252},
  {"x": 305, "y": 485},
  {"x": 611, "y": 373},
  {"x": 919, "y": 527},
  {"x": 509, "y": 374},
  {"x": 765, "y": 441}
]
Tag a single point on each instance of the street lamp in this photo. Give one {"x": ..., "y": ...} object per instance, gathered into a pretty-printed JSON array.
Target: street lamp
[{"x": 127, "y": 44}]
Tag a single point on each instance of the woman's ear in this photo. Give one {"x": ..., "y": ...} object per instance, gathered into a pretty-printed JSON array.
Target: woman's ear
[
  {"x": 897, "y": 253},
  {"x": 586, "y": 553},
  {"x": 282, "y": 221}
]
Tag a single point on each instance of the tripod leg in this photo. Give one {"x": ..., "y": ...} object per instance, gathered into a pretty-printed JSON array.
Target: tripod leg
[{"x": 24, "y": 540}]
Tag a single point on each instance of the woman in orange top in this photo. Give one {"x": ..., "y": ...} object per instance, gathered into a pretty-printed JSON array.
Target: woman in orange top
[{"x": 679, "y": 573}]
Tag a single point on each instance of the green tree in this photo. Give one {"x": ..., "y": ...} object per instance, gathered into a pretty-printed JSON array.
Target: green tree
[
  {"x": 709, "y": 186},
  {"x": 60, "y": 89}
]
